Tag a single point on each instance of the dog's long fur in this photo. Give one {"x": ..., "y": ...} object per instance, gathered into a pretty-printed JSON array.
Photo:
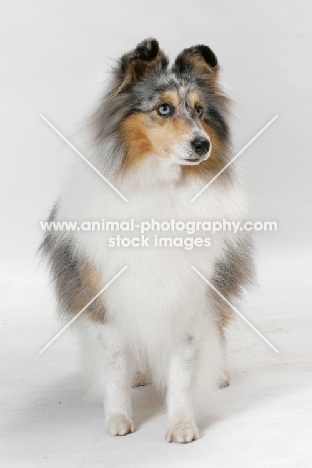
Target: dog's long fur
[{"x": 159, "y": 318}]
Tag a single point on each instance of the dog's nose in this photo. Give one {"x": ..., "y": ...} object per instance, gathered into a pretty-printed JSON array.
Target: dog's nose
[{"x": 200, "y": 145}]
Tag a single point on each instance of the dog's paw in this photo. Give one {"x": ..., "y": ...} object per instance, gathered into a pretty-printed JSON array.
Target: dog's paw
[
  {"x": 182, "y": 432},
  {"x": 224, "y": 383},
  {"x": 119, "y": 424}
]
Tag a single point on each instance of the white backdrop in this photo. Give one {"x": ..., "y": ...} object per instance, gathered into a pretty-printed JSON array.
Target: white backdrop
[{"x": 54, "y": 54}]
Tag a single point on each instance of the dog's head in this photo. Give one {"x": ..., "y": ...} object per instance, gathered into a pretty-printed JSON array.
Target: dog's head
[{"x": 177, "y": 113}]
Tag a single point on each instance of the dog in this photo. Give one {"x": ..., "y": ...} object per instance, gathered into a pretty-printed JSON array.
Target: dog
[{"x": 159, "y": 135}]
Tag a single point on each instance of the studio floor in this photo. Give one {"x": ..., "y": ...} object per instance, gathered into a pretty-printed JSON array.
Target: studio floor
[{"x": 262, "y": 420}]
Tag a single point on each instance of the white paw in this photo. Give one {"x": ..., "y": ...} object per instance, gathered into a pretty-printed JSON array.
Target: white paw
[
  {"x": 119, "y": 424},
  {"x": 182, "y": 432},
  {"x": 224, "y": 383}
]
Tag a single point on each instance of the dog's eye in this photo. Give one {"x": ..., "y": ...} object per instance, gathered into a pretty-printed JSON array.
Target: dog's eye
[
  {"x": 199, "y": 111},
  {"x": 165, "y": 109}
]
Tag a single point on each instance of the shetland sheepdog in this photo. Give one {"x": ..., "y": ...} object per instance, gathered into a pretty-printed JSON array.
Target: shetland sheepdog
[{"x": 159, "y": 135}]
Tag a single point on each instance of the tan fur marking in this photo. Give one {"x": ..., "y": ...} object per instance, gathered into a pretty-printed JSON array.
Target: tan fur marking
[
  {"x": 170, "y": 97},
  {"x": 215, "y": 159},
  {"x": 91, "y": 284},
  {"x": 137, "y": 140},
  {"x": 193, "y": 99},
  {"x": 145, "y": 134},
  {"x": 225, "y": 317},
  {"x": 91, "y": 276}
]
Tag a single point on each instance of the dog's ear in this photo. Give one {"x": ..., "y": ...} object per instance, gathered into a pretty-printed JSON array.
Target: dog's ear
[
  {"x": 134, "y": 65},
  {"x": 199, "y": 58}
]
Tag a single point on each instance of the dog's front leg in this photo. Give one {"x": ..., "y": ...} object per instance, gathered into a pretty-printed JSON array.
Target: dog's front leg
[
  {"x": 117, "y": 398},
  {"x": 182, "y": 426}
]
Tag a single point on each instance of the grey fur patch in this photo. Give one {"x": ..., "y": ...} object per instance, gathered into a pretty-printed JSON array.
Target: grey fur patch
[
  {"x": 233, "y": 273},
  {"x": 71, "y": 274}
]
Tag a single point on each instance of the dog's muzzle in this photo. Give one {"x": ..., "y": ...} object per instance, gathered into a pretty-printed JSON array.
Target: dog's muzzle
[{"x": 200, "y": 146}]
